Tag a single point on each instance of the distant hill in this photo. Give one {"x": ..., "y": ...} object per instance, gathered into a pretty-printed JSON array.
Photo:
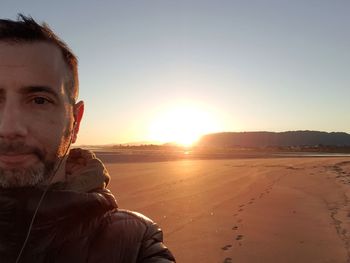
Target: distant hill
[{"x": 275, "y": 139}]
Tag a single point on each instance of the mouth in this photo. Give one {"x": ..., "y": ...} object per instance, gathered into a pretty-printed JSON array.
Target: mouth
[{"x": 10, "y": 159}]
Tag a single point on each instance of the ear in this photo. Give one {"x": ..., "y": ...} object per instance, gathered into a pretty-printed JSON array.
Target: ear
[{"x": 78, "y": 111}]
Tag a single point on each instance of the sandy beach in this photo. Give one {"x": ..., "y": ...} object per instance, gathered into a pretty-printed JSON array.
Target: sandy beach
[{"x": 243, "y": 210}]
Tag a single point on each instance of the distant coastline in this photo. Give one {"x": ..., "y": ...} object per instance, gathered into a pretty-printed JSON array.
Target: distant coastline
[
  {"x": 157, "y": 153},
  {"x": 232, "y": 145}
]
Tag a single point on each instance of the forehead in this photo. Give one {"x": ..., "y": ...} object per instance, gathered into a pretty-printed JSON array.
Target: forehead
[{"x": 35, "y": 63}]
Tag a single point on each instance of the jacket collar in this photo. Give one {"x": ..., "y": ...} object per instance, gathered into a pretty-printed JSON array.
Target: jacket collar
[{"x": 85, "y": 172}]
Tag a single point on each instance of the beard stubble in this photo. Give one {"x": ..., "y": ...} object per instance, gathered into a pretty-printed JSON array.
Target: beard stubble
[{"x": 38, "y": 173}]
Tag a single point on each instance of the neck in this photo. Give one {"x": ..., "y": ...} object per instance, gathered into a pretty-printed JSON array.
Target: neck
[{"x": 59, "y": 171}]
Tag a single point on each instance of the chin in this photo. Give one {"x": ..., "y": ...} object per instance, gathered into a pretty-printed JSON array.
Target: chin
[{"x": 23, "y": 177}]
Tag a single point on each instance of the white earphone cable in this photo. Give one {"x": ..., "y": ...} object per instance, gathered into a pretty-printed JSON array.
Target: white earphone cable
[{"x": 42, "y": 198}]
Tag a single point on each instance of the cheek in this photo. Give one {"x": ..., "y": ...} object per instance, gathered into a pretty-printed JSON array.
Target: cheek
[
  {"x": 47, "y": 132},
  {"x": 52, "y": 124}
]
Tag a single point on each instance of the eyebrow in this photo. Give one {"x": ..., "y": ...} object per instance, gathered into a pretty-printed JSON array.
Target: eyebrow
[{"x": 44, "y": 89}]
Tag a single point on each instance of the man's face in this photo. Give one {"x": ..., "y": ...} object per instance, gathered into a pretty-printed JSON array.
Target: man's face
[{"x": 36, "y": 118}]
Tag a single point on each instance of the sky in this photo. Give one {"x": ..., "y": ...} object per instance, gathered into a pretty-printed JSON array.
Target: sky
[{"x": 168, "y": 70}]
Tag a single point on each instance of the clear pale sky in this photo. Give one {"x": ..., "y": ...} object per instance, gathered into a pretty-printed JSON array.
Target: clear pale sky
[{"x": 244, "y": 65}]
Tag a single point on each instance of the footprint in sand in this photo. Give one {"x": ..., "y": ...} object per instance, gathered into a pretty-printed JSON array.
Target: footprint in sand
[
  {"x": 226, "y": 247},
  {"x": 235, "y": 228},
  {"x": 227, "y": 260},
  {"x": 241, "y": 206},
  {"x": 251, "y": 202},
  {"x": 239, "y": 237},
  {"x": 240, "y": 210},
  {"x": 235, "y": 215},
  {"x": 239, "y": 220}
]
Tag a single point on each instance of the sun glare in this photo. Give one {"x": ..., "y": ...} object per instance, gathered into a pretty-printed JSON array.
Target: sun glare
[{"x": 182, "y": 125}]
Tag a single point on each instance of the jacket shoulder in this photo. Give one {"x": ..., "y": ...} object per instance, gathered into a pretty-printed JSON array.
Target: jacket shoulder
[{"x": 138, "y": 233}]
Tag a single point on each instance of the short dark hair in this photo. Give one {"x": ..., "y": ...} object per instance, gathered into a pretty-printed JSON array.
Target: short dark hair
[{"x": 26, "y": 29}]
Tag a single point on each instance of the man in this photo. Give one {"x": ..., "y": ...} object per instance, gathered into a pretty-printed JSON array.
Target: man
[{"x": 54, "y": 204}]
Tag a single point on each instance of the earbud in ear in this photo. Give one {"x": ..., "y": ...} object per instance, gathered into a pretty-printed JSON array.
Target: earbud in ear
[{"x": 75, "y": 122}]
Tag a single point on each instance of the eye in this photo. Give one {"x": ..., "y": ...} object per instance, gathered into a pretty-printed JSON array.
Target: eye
[{"x": 40, "y": 100}]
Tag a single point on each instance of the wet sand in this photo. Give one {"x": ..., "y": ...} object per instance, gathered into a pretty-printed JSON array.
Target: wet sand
[{"x": 243, "y": 210}]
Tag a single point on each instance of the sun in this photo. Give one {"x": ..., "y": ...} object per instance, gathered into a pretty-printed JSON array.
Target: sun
[{"x": 182, "y": 124}]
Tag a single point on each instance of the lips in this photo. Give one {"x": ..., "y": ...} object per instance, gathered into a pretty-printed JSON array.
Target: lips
[{"x": 11, "y": 159}]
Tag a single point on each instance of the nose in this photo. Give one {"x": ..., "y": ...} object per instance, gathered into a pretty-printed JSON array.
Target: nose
[{"x": 12, "y": 121}]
